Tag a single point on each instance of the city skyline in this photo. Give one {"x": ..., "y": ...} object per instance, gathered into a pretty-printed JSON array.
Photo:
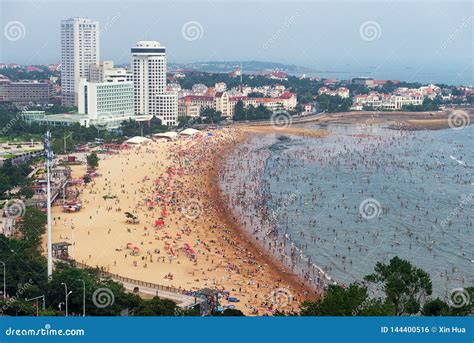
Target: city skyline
[{"x": 365, "y": 38}]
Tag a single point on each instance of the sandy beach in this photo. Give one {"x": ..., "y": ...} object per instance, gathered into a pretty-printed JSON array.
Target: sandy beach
[
  {"x": 291, "y": 130},
  {"x": 433, "y": 120},
  {"x": 176, "y": 183}
]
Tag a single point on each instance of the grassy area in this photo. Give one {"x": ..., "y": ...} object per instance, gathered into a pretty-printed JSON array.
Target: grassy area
[
  {"x": 6, "y": 156},
  {"x": 21, "y": 138}
]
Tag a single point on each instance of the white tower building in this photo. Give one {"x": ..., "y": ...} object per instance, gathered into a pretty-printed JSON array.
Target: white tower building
[
  {"x": 79, "y": 49},
  {"x": 149, "y": 83}
]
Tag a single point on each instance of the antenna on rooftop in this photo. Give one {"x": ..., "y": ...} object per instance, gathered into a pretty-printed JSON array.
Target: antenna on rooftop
[{"x": 240, "y": 73}]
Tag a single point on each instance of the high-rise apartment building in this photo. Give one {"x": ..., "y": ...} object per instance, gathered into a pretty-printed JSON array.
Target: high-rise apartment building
[
  {"x": 149, "y": 83},
  {"x": 79, "y": 49}
]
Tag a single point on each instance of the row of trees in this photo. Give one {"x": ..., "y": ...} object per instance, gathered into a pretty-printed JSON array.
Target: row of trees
[
  {"x": 250, "y": 113},
  {"x": 336, "y": 103},
  {"x": 399, "y": 289}
]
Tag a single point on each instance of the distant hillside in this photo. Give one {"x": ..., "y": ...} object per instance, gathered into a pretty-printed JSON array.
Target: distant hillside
[{"x": 247, "y": 66}]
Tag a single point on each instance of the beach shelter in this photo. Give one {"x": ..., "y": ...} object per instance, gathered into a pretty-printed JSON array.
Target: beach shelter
[
  {"x": 137, "y": 140},
  {"x": 189, "y": 132},
  {"x": 170, "y": 135}
]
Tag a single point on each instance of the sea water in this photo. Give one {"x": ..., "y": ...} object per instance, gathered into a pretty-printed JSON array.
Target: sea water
[{"x": 330, "y": 208}]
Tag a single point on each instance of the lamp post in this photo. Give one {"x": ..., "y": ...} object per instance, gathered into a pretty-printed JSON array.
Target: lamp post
[
  {"x": 73, "y": 241},
  {"x": 37, "y": 308},
  {"x": 83, "y": 297},
  {"x": 4, "y": 282},
  {"x": 65, "y": 144},
  {"x": 67, "y": 295},
  {"x": 49, "y": 159}
]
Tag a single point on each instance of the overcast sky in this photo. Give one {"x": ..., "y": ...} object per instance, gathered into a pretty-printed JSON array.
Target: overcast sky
[{"x": 418, "y": 40}]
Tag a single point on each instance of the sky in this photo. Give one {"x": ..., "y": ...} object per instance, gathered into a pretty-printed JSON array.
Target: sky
[{"x": 408, "y": 40}]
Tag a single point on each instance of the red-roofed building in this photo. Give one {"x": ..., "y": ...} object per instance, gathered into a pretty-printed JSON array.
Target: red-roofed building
[
  {"x": 277, "y": 75},
  {"x": 32, "y": 68},
  {"x": 191, "y": 105}
]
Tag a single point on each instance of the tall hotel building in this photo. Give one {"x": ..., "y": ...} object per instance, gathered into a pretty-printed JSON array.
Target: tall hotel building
[
  {"x": 79, "y": 49},
  {"x": 149, "y": 83}
]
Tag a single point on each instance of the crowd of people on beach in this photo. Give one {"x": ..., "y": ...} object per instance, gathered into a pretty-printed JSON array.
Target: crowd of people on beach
[{"x": 182, "y": 222}]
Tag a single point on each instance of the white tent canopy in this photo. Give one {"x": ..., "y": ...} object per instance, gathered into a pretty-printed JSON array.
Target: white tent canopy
[
  {"x": 137, "y": 140},
  {"x": 168, "y": 135},
  {"x": 189, "y": 132}
]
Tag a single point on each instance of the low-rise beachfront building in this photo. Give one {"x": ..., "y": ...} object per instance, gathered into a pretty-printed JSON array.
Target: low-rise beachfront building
[
  {"x": 65, "y": 119},
  {"x": 106, "y": 103},
  {"x": 192, "y": 105},
  {"x": 397, "y": 101},
  {"x": 343, "y": 92},
  {"x": 220, "y": 87},
  {"x": 103, "y": 104},
  {"x": 26, "y": 91}
]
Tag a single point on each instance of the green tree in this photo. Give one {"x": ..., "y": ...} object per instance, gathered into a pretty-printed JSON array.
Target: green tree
[
  {"x": 156, "y": 307},
  {"x": 184, "y": 121},
  {"x": 435, "y": 307},
  {"x": 345, "y": 301},
  {"x": 92, "y": 160},
  {"x": 405, "y": 286},
  {"x": 32, "y": 225},
  {"x": 211, "y": 116},
  {"x": 239, "y": 111},
  {"x": 331, "y": 104},
  {"x": 26, "y": 192}
]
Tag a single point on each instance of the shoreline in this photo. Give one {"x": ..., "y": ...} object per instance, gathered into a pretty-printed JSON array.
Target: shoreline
[
  {"x": 263, "y": 233},
  {"x": 247, "y": 239},
  {"x": 401, "y": 120}
]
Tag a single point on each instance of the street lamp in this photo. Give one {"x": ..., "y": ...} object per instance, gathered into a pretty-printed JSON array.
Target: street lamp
[
  {"x": 4, "y": 283},
  {"x": 37, "y": 308},
  {"x": 83, "y": 297},
  {"x": 49, "y": 161},
  {"x": 67, "y": 295}
]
